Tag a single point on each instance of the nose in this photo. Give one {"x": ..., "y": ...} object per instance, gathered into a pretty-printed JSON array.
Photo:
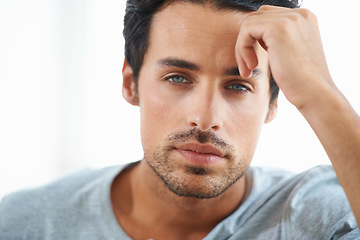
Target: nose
[{"x": 205, "y": 110}]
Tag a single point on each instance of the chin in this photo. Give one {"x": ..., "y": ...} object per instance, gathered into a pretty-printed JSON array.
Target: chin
[{"x": 198, "y": 182}]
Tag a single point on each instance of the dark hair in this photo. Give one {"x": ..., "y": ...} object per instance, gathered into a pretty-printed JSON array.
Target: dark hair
[{"x": 138, "y": 18}]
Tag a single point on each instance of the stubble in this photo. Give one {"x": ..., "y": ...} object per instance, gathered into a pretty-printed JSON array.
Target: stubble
[{"x": 196, "y": 181}]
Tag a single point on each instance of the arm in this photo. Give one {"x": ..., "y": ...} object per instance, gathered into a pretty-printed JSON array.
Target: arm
[{"x": 297, "y": 61}]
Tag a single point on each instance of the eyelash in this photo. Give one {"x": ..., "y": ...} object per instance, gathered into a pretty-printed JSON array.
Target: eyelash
[
  {"x": 244, "y": 88},
  {"x": 186, "y": 81},
  {"x": 168, "y": 79}
]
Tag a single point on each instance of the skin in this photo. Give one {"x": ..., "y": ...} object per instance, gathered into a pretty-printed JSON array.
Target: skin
[
  {"x": 309, "y": 88},
  {"x": 205, "y": 101},
  {"x": 210, "y": 102}
]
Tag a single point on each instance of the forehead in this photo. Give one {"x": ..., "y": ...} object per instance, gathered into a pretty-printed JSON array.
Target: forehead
[
  {"x": 186, "y": 14},
  {"x": 198, "y": 33},
  {"x": 183, "y": 19}
]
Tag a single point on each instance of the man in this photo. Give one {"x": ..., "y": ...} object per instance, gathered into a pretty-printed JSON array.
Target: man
[{"x": 202, "y": 74}]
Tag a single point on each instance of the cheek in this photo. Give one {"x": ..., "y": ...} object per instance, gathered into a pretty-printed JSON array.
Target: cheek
[
  {"x": 245, "y": 124},
  {"x": 159, "y": 116}
]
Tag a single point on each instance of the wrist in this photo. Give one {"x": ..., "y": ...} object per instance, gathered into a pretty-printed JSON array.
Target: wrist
[
  {"x": 330, "y": 114},
  {"x": 321, "y": 99}
]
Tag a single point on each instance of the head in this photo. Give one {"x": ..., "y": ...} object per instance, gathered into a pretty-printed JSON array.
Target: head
[
  {"x": 139, "y": 15},
  {"x": 199, "y": 120}
]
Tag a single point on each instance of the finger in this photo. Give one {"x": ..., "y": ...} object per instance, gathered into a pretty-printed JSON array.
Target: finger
[
  {"x": 244, "y": 71},
  {"x": 247, "y": 59},
  {"x": 257, "y": 28},
  {"x": 250, "y": 58},
  {"x": 245, "y": 54}
]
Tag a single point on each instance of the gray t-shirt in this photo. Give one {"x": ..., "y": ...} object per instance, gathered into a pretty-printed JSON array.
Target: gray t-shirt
[{"x": 311, "y": 205}]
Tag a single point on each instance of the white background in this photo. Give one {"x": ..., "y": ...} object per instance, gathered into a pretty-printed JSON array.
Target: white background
[{"x": 61, "y": 107}]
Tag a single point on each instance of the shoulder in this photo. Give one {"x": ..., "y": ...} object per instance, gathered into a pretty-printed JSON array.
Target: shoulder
[
  {"x": 29, "y": 211},
  {"x": 317, "y": 206},
  {"x": 284, "y": 205},
  {"x": 62, "y": 188},
  {"x": 319, "y": 180}
]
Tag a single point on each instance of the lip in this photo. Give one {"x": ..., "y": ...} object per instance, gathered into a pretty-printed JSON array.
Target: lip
[{"x": 200, "y": 154}]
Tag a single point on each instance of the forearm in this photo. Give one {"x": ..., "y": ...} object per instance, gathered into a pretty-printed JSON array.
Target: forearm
[
  {"x": 337, "y": 126},
  {"x": 292, "y": 37}
]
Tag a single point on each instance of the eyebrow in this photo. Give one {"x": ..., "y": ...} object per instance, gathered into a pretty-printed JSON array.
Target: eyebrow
[
  {"x": 234, "y": 71},
  {"x": 181, "y": 63}
]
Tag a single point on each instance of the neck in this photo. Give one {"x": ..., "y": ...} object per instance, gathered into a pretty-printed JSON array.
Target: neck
[{"x": 146, "y": 200}]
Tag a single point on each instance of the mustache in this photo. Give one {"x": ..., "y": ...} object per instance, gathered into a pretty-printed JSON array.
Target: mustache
[{"x": 201, "y": 137}]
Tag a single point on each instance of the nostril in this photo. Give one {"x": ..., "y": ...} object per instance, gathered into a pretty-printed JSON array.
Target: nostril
[
  {"x": 193, "y": 124},
  {"x": 215, "y": 127}
]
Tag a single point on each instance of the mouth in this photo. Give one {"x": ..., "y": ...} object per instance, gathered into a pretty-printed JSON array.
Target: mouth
[{"x": 200, "y": 154}]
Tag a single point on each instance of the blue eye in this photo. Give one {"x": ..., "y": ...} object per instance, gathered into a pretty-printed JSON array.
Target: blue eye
[
  {"x": 238, "y": 87},
  {"x": 177, "y": 79}
]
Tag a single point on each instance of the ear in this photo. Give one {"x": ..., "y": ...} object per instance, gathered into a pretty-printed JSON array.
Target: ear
[
  {"x": 272, "y": 111},
  {"x": 129, "y": 90}
]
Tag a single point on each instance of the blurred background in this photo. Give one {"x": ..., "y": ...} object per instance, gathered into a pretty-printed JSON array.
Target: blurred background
[{"x": 61, "y": 107}]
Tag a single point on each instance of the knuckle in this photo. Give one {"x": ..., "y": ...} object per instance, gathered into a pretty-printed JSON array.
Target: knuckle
[
  {"x": 252, "y": 15},
  {"x": 282, "y": 28},
  {"x": 305, "y": 13},
  {"x": 265, "y": 7},
  {"x": 287, "y": 24},
  {"x": 247, "y": 23}
]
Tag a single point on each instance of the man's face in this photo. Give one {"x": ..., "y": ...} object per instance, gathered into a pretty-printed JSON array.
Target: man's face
[{"x": 200, "y": 121}]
